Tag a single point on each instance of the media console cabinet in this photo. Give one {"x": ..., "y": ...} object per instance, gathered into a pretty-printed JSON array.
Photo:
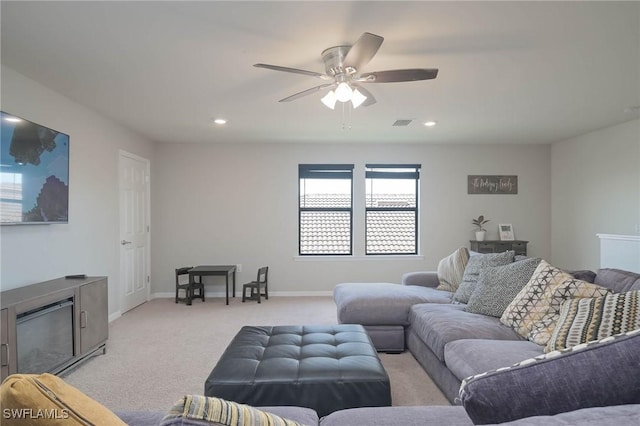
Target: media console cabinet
[{"x": 52, "y": 326}]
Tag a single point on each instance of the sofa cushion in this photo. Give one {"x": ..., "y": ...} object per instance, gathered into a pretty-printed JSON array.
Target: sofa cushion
[
  {"x": 421, "y": 278},
  {"x": 451, "y": 269},
  {"x": 498, "y": 285},
  {"x": 475, "y": 265},
  {"x": 437, "y": 325},
  {"x": 404, "y": 416},
  {"x": 140, "y": 418},
  {"x": 618, "y": 280},
  {"x": 583, "y": 275},
  {"x": 382, "y": 303},
  {"x": 595, "y": 374},
  {"x": 534, "y": 312},
  {"x": 468, "y": 357},
  {"x": 583, "y": 320},
  {"x": 202, "y": 410},
  {"x": 619, "y": 415}
]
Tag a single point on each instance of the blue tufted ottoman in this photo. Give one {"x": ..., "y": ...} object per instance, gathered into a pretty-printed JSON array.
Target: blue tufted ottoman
[{"x": 326, "y": 368}]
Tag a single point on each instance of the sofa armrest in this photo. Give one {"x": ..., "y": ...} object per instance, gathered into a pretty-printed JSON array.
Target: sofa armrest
[{"x": 423, "y": 278}]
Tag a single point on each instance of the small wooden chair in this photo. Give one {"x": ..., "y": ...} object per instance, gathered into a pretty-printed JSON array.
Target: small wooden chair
[
  {"x": 188, "y": 286},
  {"x": 256, "y": 286}
]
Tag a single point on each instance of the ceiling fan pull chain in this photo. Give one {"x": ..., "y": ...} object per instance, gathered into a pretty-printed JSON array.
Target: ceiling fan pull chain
[{"x": 346, "y": 115}]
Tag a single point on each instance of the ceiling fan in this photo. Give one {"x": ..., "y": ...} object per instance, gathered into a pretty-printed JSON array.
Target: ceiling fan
[{"x": 343, "y": 71}]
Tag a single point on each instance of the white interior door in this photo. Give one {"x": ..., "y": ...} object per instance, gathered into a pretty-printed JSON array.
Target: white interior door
[{"x": 134, "y": 230}]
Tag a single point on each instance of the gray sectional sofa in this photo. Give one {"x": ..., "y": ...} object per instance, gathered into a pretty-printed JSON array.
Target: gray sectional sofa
[{"x": 450, "y": 343}]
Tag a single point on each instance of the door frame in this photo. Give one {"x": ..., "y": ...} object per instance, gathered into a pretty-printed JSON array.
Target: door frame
[{"x": 121, "y": 154}]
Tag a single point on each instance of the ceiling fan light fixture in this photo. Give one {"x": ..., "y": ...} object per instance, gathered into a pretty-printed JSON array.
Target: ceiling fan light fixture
[
  {"x": 330, "y": 99},
  {"x": 343, "y": 66},
  {"x": 343, "y": 92},
  {"x": 357, "y": 98}
]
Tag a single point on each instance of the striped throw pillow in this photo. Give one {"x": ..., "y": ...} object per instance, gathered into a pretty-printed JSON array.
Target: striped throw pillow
[
  {"x": 584, "y": 320},
  {"x": 217, "y": 411},
  {"x": 451, "y": 270}
]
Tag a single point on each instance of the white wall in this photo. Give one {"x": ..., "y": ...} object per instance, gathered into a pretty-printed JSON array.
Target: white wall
[
  {"x": 88, "y": 244},
  {"x": 595, "y": 189},
  {"x": 237, "y": 204}
]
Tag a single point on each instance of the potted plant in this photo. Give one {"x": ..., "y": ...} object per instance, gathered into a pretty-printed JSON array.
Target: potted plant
[{"x": 480, "y": 231}]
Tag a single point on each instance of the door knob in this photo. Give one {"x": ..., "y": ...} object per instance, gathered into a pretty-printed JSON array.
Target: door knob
[{"x": 124, "y": 242}]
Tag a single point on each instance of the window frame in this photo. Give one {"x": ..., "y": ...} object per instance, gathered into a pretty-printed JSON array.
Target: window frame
[
  {"x": 325, "y": 171},
  {"x": 415, "y": 175}
]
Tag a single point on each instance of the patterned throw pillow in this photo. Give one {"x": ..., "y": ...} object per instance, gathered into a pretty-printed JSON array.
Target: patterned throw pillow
[
  {"x": 584, "y": 320},
  {"x": 594, "y": 374},
  {"x": 472, "y": 272},
  {"x": 498, "y": 285},
  {"x": 534, "y": 312},
  {"x": 451, "y": 270},
  {"x": 201, "y": 410}
]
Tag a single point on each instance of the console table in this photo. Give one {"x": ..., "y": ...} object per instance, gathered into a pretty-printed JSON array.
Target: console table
[
  {"x": 498, "y": 246},
  {"x": 51, "y": 326}
]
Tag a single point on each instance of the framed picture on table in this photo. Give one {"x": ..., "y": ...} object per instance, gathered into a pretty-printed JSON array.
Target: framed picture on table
[{"x": 506, "y": 232}]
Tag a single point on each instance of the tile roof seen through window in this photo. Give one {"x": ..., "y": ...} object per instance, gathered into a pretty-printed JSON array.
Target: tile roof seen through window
[
  {"x": 391, "y": 232},
  {"x": 344, "y": 200},
  {"x": 325, "y": 200},
  {"x": 325, "y": 233},
  {"x": 328, "y": 232}
]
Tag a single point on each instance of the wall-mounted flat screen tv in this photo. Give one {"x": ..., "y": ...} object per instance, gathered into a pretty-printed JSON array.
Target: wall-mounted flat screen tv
[{"x": 34, "y": 173}]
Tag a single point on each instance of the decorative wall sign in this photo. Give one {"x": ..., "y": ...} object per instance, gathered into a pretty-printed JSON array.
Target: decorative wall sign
[{"x": 491, "y": 184}]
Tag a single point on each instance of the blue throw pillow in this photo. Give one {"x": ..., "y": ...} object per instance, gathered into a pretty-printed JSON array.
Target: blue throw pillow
[{"x": 596, "y": 374}]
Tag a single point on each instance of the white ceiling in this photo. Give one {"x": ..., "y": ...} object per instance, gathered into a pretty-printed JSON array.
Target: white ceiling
[{"x": 510, "y": 72}]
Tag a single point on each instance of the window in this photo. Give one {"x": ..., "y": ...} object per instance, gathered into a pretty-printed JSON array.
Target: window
[
  {"x": 325, "y": 214},
  {"x": 391, "y": 209}
]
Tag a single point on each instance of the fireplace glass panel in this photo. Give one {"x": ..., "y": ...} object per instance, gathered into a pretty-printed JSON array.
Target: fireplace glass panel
[{"x": 45, "y": 338}]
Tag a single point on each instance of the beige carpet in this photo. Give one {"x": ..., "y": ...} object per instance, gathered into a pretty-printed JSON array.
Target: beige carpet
[{"x": 160, "y": 351}]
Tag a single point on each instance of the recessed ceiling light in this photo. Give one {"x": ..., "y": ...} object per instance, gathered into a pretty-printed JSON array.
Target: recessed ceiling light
[
  {"x": 13, "y": 119},
  {"x": 430, "y": 123},
  {"x": 220, "y": 121}
]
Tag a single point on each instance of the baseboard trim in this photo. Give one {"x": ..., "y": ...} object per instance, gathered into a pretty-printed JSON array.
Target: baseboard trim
[
  {"x": 114, "y": 316},
  {"x": 170, "y": 295},
  {"x": 218, "y": 294}
]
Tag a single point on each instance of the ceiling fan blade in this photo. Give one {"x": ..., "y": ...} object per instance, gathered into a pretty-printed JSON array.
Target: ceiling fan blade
[
  {"x": 293, "y": 70},
  {"x": 370, "y": 98},
  {"x": 395, "y": 76},
  {"x": 363, "y": 50},
  {"x": 307, "y": 92}
]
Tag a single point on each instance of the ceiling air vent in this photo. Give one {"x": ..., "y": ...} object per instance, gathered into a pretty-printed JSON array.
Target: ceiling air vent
[{"x": 400, "y": 123}]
